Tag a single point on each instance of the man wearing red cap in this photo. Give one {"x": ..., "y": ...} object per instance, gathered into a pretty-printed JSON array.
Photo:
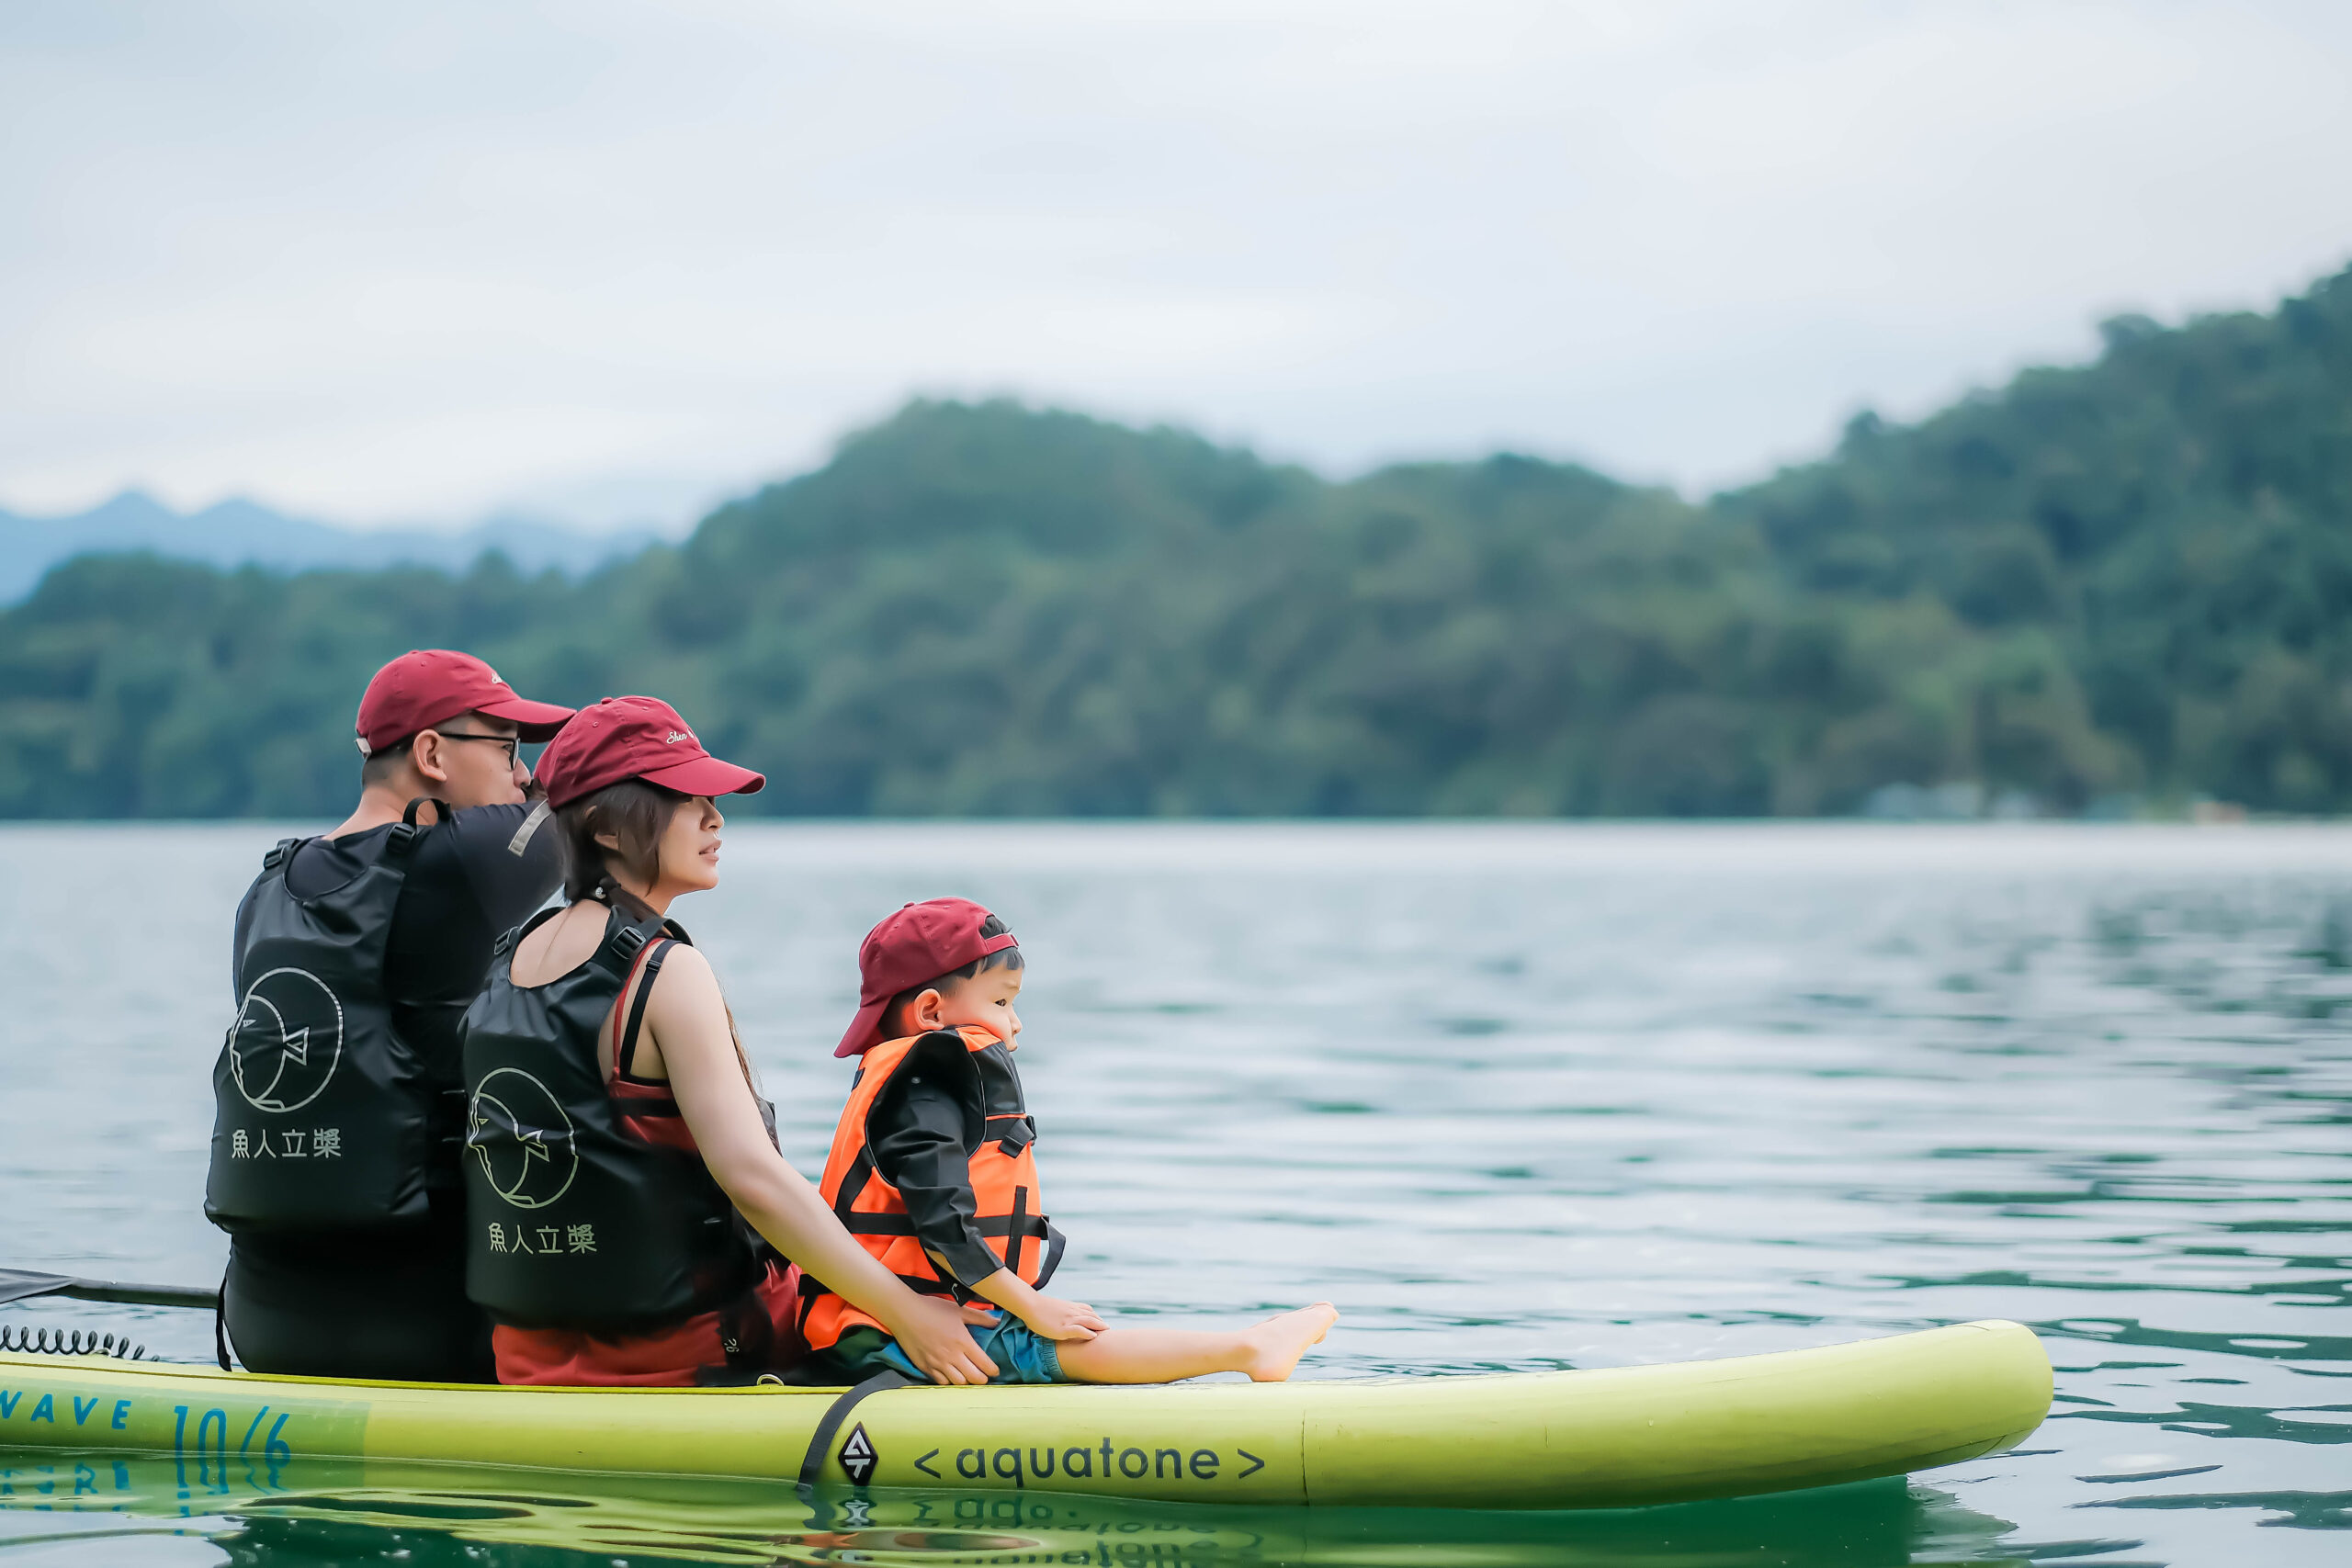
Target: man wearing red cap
[{"x": 338, "y": 1098}]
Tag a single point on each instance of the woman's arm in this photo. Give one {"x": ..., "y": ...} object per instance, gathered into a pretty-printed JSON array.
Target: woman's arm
[{"x": 686, "y": 1018}]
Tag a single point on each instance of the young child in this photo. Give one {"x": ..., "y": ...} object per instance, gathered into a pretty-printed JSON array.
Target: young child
[{"x": 933, "y": 1168}]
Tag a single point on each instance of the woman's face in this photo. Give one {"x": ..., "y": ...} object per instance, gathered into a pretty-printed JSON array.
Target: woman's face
[{"x": 689, "y": 857}]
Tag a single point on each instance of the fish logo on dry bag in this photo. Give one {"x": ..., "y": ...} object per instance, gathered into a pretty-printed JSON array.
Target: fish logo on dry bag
[
  {"x": 523, "y": 1138},
  {"x": 286, "y": 1040}
]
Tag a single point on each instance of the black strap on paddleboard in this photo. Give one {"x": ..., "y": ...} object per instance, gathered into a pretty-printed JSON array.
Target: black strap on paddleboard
[{"x": 837, "y": 1412}]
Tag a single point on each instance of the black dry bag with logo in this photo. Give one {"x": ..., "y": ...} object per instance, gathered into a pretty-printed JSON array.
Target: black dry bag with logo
[
  {"x": 324, "y": 1119},
  {"x": 575, "y": 1219}
]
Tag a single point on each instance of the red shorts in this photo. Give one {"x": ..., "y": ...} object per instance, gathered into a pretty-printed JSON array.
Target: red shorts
[{"x": 762, "y": 1328}]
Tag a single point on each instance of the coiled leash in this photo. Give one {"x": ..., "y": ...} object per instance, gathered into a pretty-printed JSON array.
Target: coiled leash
[{"x": 61, "y": 1342}]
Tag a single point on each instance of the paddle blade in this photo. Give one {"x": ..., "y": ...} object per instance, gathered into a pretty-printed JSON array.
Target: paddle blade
[{"x": 22, "y": 1284}]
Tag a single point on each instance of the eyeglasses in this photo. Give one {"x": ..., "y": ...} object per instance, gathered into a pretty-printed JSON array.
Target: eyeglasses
[{"x": 512, "y": 742}]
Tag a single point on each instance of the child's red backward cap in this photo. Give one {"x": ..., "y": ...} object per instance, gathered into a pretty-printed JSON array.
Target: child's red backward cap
[{"x": 919, "y": 943}]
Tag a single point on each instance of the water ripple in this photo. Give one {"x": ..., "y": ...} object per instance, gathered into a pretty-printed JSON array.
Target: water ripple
[{"x": 1519, "y": 1096}]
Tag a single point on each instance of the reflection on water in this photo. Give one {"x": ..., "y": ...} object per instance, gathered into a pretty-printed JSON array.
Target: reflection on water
[
  {"x": 1515, "y": 1097},
  {"x": 315, "y": 1511}
]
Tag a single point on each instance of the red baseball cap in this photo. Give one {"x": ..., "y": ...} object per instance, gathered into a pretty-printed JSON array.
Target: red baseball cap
[
  {"x": 635, "y": 738},
  {"x": 433, "y": 685},
  {"x": 918, "y": 945}
]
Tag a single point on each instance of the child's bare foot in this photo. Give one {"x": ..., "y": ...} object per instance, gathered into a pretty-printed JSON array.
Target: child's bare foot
[{"x": 1279, "y": 1342}]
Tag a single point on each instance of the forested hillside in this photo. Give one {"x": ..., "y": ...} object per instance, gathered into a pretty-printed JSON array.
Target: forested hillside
[
  {"x": 2145, "y": 566},
  {"x": 2118, "y": 584}
]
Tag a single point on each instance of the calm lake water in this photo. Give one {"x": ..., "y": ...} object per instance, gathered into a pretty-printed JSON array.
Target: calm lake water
[{"x": 1515, "y": 1097}]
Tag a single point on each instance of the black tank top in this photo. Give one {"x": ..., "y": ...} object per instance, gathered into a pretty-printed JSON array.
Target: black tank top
[{"x": 575, "y": 1218}]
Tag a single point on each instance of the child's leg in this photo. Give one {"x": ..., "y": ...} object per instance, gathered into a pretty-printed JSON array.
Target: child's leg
[{"x": 1267, "y": 1351}]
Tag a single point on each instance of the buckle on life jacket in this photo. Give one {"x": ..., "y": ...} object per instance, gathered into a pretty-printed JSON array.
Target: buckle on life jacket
[
  {"x": 278, "y": 853},
  {"x": 626, "y": 941},
  {"x": 1018, "y": 1137}
]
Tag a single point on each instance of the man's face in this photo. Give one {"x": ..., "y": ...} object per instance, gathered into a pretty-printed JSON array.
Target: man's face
[{"x": 472, "y": 760}]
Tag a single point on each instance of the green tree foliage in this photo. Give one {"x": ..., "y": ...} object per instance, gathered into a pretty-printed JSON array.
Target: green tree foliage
[
  {"x": 2150, "y": 559},
  {"x": 2129, "y": 578}
]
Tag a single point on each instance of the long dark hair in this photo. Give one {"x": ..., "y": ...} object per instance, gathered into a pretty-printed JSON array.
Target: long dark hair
[{"x": 637, "y": 813}]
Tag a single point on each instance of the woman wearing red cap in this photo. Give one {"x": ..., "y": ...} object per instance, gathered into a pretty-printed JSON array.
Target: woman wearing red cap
[{"x": 626, "y": 1200}]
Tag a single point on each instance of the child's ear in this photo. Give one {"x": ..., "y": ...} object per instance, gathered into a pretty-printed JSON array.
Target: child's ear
[{"x": 926, "y": 1013}]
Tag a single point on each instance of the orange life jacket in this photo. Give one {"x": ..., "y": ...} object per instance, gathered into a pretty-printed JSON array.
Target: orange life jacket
[{"x": 1007, "y": 1210}]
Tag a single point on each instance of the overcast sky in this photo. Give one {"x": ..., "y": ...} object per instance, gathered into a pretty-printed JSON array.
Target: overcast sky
[{"x": 413, "y": 262}]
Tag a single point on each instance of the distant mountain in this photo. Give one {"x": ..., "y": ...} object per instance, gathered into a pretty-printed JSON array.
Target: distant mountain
[{"x": 239, "y": 533}]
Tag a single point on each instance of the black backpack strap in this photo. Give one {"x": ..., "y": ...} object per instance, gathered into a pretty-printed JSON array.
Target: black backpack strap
[
  {"x": 510, "y": 937},
  {"x": 621, "y": 946},
  {"x": 625, "y": 1051},
  {"x": 406, "y": 832},
  {"x": 620, "y": 949},
  {"x": 280, "y": 853}
]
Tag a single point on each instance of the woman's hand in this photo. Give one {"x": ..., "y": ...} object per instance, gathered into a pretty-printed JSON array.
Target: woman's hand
[
  {"x": 687, "y": 1021},
  {"x": 932, "y": 1333}
]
